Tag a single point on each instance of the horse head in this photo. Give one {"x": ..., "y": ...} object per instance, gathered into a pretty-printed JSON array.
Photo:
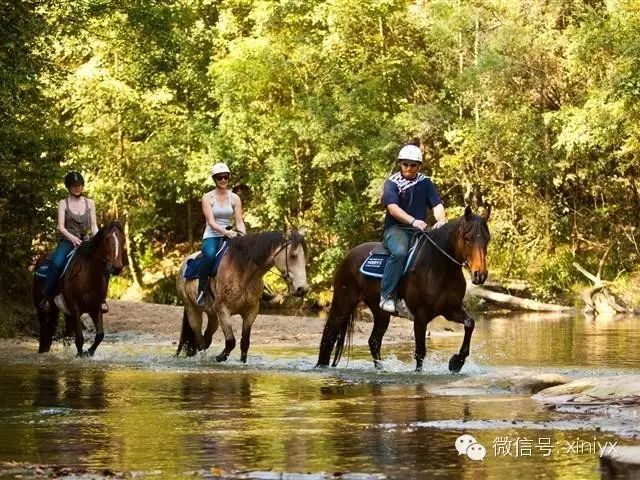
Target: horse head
[
  {"x": 114, "y": 247},
  {"x": 291, "y": 261},
  {"x": 472, "y": 241}
]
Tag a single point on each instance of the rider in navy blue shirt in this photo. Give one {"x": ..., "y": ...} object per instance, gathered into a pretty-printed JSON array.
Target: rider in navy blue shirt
[{"x": 407, "y": 195}]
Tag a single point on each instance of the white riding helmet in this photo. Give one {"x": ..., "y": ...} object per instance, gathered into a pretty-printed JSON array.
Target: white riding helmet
[
  {"x": 410, "y": 152},
  {"x": 219, "y": 168}
]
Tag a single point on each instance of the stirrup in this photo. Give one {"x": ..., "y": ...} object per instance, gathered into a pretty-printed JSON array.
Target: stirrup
[{"x": 201, "y": 300}]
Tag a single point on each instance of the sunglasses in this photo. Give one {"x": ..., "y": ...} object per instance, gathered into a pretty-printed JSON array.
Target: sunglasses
[
  {"x": 224, "y": 176},
  {"x": 409, "y": 164}
]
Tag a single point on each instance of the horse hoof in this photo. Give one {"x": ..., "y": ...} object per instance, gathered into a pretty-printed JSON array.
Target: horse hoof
[
  {"x": 418, "y": 369},
  {"x": 378, "y": 364},
  {"x": 455, "y": 363},
  {"x": 221, "y": 358}
]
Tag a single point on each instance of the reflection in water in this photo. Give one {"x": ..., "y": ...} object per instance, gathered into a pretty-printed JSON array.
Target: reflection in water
[
  {"x": 549, "y": 341},
  {"x": 194, "y": 414}
]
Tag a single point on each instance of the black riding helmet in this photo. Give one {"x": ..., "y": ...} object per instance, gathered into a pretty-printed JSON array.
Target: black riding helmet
[{"x": 73, "y": 178}]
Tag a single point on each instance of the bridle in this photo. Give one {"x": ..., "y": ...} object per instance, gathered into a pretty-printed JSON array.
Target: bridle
[
  {"x": 284, "y": 276},
  {"x": 116, "y": 243}
]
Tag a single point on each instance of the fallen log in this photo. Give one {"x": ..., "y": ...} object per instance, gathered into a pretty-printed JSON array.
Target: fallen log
[
  {"x": 517, "y": 303},
  {"x": 517, "y": 285}
]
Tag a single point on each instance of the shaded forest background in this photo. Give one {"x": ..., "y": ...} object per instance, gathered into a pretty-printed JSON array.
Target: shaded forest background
[{"x": 529, "y": 105}]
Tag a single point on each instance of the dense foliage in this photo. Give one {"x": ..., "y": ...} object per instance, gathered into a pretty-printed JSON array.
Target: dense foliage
[{"x": 528, "y": 105}]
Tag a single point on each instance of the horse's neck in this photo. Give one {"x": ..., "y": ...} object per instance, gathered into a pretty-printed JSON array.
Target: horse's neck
[
  {"x": 95, "y": 258},
  {"x": 255, "y": 271},
  {"x": 443, "y": 241}
]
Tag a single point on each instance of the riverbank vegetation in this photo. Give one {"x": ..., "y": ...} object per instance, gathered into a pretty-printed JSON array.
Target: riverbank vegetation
[{"x": 529, "y": 106}]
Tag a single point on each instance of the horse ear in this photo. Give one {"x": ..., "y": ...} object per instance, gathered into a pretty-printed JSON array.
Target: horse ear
[
  {"x": 468, "y": 213},
  {"x": 487, "y": 213}
]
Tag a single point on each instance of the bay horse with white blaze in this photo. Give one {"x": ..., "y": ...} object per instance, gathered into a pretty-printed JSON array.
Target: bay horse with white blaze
[
  {"x": 237, "y": 288},
  {"x": 434, "y": 285},
  {"x": 82, "y": 289}
]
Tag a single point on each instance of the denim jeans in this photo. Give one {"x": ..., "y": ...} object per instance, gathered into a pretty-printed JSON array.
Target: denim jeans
[
  {"x": 396, "y": 239},
  {"x": 209, "y": 248},
  {"x": 58, "y": 260}
]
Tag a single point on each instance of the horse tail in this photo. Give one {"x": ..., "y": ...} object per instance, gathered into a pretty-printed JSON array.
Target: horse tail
[
  {"x": 345, "y": 333},
  {"x": 339, "y": 326},
  {"x": 187, "y": 337}
]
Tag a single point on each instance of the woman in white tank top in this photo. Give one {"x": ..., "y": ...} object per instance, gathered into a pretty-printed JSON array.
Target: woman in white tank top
[{"x": 220, "y": 207}]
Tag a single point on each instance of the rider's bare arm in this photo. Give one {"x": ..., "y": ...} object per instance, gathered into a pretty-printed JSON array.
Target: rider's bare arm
[
  {"x": 440, "y": 214},
  {"x": 92, "y": 215},
  {"x": 403, "y": 217},
  {"x": 237, "y": 210}
]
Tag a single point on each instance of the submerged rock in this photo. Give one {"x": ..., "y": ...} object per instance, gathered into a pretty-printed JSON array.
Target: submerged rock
[
  {"x": 616, "y": 390},
  {"x": 513, "y": 380}
]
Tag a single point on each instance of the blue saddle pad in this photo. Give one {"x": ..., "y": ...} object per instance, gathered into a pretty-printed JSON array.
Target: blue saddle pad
[
  {"x": 43, "y": 269},
  {"x": 193, "y": 264},
  {"x": 373, "y": 265}
]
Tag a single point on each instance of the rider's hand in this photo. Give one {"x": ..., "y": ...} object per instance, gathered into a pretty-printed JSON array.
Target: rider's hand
[
  {"x": 230, "y": 233},
  {"x": 76, "y": 241},
  {"x": 439, "y": 223},
  {"x": 420, "y": 225}
]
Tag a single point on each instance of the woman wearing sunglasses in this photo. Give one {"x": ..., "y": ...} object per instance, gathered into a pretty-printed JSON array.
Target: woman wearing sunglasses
[
  {"x": 220, "y": 207},
  {"x": 407, "y": 195}
]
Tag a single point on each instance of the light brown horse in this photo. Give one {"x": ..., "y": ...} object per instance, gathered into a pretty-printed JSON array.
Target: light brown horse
[
  {"x": 434, "y": 285},
  {"x": 237, "y": 288},
  {"x": 83, "y": 288}
]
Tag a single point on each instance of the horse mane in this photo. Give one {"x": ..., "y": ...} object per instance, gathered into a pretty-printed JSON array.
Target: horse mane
[
  {"x": 88, "y": 249},
  {"x": 442, "y": 237},
  {"x": 258, "y": 247}
]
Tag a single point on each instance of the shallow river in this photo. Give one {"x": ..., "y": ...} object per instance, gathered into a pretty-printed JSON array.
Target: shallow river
[{"x": 136, "y": 408}]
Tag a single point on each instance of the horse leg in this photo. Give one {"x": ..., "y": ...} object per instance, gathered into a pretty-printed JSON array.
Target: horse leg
[
  {"x": 461, "y": 316},
  {"x": 69, "y": 330},
  {"x": 420, "y": 335},
  {"x": 48, "y": 323},
  {"x": 194, "y": 317},
  {"x": 79, "y": 336},
  {"x": 212, "y": 326},
  {"x": 224, "y": 318},
  {"x": 247, "y": 322},
  {"x": 380, "y": 325},
  {"x": 97, "y": 321},
  {"x": 342, "y": 306}
]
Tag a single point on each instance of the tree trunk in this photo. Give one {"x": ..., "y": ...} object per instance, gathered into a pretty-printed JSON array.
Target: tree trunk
[
  {"x": 189, "y": 223},
  {"x": 134, "y": 266}
]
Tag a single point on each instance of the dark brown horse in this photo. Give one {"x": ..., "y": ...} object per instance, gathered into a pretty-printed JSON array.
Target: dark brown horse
[
  {"x": 434, "y": 285},
  {"x": 82, "y": 289},
  {"x": 237, "y": 288}
]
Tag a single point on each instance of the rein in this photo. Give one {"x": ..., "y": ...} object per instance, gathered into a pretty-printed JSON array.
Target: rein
[{"x": 464, "y": 264}]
